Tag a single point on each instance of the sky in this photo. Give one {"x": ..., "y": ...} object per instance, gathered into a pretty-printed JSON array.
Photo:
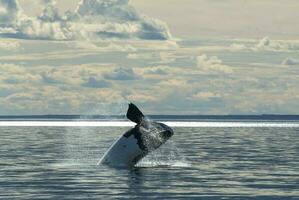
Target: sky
[{"x": 168, "y": 57}]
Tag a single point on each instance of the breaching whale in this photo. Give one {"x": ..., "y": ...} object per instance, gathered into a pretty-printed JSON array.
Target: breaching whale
[{"x": 137, "y": 142}]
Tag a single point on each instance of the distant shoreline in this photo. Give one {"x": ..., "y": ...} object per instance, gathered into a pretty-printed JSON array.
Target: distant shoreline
[{"x": 154, "y": 117}]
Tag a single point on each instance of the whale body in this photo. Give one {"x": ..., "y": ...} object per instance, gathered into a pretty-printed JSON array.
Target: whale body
[{"x": 137, "y": 142}]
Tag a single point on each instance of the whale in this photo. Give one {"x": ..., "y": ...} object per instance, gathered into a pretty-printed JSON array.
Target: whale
[{"x": 136, "y": 143}]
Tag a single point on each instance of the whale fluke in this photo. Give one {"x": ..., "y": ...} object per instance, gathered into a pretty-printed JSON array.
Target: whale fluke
[{"x": 134, "y": 114}]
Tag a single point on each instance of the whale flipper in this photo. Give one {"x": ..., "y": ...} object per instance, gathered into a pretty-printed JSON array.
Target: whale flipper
[{"x": 134, "y": 114}]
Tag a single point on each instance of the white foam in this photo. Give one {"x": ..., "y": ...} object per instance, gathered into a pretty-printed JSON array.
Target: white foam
[
  {"x": 294, "y": 124},
  {"x": 150, "y": 164}
]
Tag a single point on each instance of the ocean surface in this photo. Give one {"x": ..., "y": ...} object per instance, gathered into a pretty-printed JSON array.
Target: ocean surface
[{"x": 220, "y": 162}]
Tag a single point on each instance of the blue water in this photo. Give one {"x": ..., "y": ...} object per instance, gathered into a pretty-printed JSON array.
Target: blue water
[{"x": 197, "y": 163}]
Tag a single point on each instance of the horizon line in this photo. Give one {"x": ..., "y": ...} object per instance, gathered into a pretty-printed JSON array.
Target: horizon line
[
  {"x": 270, "y": 117},
  {"x": 130, "y": 124},
  {"x": 123, "y": 115}
]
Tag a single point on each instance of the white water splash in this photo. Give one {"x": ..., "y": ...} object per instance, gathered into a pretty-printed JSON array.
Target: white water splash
[{"x": 167, "y": 155}]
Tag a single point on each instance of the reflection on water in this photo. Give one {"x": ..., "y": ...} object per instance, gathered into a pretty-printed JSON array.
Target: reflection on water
[{"x": 199, "y": 163}]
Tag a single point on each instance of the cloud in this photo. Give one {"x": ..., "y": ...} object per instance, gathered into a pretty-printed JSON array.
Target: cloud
[
  {"x": 121, "y": 74},
  {"x": 50, "y": 12},
  {"x": 110, "y": 46},
  {"x": 65, "y": 75},
  {"x": 262, "y": 45},
  {"x": 54, "y": 100},
  {"x": 92, "y": 19},
  {"x": 139, "y": 56},
  {"x": 49, "y": 78},
  {"x": 80, "y": 88},
  {"x": 156, "y": 71},
  {"x": 9, "y": 13},
  {"x": 45, "y": 90},
  {"x": 142, "y": 96},
  {"x": 175, "y": 83},
  {"x": 15, "y": 74},
  {"x": 206, "y": 95},
  {"x": 290, "y": 62},
  {"x": 266, "y": 44},
  {"x": 93, "y": 82},
  {"x": 237, "y": 47},
  {"x": 155, "y": 74},
  {"x": 212, "y": 65},
  {"x": 9, "y": 45}
]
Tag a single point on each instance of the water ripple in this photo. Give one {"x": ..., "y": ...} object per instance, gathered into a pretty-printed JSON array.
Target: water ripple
[{"x": 198, "y": 163}]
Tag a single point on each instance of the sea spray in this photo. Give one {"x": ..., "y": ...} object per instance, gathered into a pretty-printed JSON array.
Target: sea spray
[
  {"x": 78, "y": 140},
  {"x": 169, "y": 155}
]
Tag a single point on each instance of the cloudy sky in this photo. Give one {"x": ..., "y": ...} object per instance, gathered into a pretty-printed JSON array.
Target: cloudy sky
[
  {"x": 169, "y": 57},
  {"x": 212, "y": 18}
]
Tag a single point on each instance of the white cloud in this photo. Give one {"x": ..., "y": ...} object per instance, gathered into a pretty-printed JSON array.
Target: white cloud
[
  {"x": 138, "y": 56},
  {"x": 9, "y": 45},
  {"x": 15, "y": 74},
  {"x": 156, "y": 73},
  {"x": 212, "y": 65},
  {"x": 105, "y": 47},
  {"x": 237, "y": 47},
  {"x": 266, "y": 44},
  {"x": 121, "y": 74},
  {"x": 92, "y": 19}
]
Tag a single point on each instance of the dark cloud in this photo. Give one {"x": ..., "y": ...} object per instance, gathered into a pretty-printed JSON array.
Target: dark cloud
[
  {"x": 93, "y": 82},
  {"x": 13, "y": 81},
  {"x": 9, "y": 11},
  {"x": 290, "y": 61},
  {"x": 121, "y": 74}
]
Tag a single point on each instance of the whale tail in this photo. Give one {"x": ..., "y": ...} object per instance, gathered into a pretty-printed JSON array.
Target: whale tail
[{"x": 134, "y": 114}]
